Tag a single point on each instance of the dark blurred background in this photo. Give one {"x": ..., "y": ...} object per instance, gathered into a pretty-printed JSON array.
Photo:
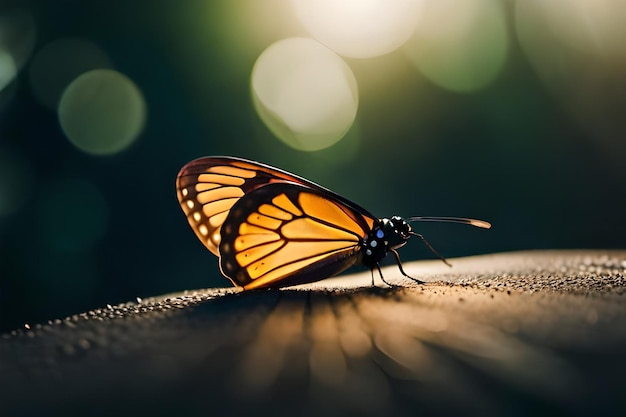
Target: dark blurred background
[{"x": 508, "y": 111}]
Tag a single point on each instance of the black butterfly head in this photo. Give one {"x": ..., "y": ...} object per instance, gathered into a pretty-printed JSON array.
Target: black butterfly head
[
  {"x": 386, "y": 235},
  {"x": 397, "y": 230}
]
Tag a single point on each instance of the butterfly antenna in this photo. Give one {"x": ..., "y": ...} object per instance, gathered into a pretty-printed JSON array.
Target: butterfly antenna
[
  {"x": 472, "y": 222},
  {"x": 431, "y": 248}
]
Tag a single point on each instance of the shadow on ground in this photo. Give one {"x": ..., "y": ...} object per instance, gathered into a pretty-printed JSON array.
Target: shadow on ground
[{"x": 517, "y": 334}]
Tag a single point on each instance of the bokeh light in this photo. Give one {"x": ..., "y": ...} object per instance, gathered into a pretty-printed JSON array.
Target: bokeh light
[
  {"x": 73, "y": 215},
  {"x": 460, "y": 46},
  {"x": 577, "y": 49},
  {"x": 593, "y": 27},
  {"x": 304, "y": 93},
  {"x": 359, "y": 28},
  {"x": 541, "y": 103},
  {"x": 17, "y": 39},
  {"x": 8, "y": 70},
  {"x": 7, "y": 95},
  {"x": 15, "y": 181},
  {"x": 580, "y": 29},
  {"x": 102, "y": 112},
  {"x": 58, "y": 63},
  {"x": 252, "y": 25}
]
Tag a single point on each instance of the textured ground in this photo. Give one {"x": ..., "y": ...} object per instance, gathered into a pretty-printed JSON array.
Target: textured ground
[{"x": 516, "y": 334}]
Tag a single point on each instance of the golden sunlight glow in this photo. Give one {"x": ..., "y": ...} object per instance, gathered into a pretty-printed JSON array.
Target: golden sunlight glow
[
  {"x": 359, "y": 28},
  {"x": 304, "y": 93},
  {"x": 102, "y": 112},
  {"x": 460, "y": 46}
]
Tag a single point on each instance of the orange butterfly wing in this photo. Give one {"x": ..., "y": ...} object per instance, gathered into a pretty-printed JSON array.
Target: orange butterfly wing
[
  {"x": 286, "y": 234},
  {"x": 208, "y": 187},
  {"x": 317, "y": 239}
]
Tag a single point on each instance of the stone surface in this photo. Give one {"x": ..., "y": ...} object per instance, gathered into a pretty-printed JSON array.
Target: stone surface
[{"x": 514, "y": 333}]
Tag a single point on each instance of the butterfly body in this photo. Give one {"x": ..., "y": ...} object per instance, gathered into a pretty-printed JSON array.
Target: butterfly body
[
  {"x": 387, "y": 234},
  {"x": 271, "y": 228}
]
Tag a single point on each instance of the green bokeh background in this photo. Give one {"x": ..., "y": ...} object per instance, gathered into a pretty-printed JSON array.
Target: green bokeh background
[{"x": 511, "y": 153}]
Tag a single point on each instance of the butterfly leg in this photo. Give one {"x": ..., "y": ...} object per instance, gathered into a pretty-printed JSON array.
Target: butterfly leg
[
  {"x": 429, "y": 247},
  {"x": 380, "y": 272},
  {"x": 397, "y": 255}
]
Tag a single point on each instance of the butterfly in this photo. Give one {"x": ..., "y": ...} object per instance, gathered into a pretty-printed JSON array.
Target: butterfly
[{"x": 271, "y": 228}]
